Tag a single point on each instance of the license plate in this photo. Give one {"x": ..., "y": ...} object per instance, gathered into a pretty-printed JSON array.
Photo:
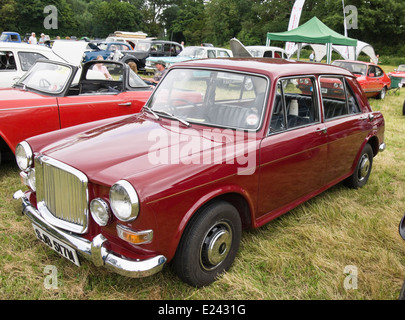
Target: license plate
[
  {"x": 323, "y": 90},
  {"x": 58, "y": 246}
]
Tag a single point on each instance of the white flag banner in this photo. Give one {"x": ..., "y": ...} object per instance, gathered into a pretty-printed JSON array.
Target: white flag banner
[{"x": 294, "y": 23}]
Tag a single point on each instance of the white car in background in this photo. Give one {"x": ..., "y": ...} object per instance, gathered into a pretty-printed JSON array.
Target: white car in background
[
  {"x": 241, "y": 51},
  {"x": 17, "y": 58},
  {"x": 266, "y": 52}
]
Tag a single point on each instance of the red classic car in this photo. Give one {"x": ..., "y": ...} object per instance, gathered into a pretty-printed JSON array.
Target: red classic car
[
  {"x": 48, "y": 97},
  {"x": 207, "y": 157},
  {"x": 371, "y": 77}
]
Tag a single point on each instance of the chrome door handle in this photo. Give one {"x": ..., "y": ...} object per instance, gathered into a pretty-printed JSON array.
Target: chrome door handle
[
  {"x": 322, "y": 130},
  {"x": 369, "y": 117},
  {"x": 125, "y": 104}
]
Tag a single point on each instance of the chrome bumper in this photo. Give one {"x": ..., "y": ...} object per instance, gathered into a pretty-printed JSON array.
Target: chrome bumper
[{"x": 95, "y": 250}]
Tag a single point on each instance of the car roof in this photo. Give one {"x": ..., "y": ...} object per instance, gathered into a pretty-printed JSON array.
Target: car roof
[
  {"x": 268, "y": 66},
  {"x": 22, "y": 45},
  {"x": 356, "y": 61}
]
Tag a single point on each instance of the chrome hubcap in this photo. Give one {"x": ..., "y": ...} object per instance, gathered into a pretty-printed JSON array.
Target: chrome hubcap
[
  {"x": 364, "y": 167},
  {"x": 216, "y": 245}
]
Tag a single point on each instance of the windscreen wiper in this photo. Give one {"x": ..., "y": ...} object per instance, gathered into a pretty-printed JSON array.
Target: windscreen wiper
[
  {"x": 152, "y": 112},
  {"x": 173, "y": 117}
]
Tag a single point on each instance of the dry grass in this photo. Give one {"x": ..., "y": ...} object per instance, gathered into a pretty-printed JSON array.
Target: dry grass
[{"x": 301, "y": 255}]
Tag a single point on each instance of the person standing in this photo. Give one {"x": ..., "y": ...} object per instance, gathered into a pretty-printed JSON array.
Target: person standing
[
  {"x": 32, "y": 39},
  {"x": 42, "y": 40}
]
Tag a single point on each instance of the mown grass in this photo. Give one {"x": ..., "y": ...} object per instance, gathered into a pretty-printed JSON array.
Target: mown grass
[{"x": 301, "y": 255}]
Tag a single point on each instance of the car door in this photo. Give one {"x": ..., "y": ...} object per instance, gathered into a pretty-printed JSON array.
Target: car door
[
  {"x": 105, "y": 102},
  {"x": 346, "y": 127},
  {"x": 293, "y": 155},
  {"x": 379, "y": 73},
  {"x": 10, "y": 70},
  {"x": 372, "y": 81}
]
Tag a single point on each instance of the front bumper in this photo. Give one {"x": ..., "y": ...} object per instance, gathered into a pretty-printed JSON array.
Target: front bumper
[{"x": 95, "y": 250}]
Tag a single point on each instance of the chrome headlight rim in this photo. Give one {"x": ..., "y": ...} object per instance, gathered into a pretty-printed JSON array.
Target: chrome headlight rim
[
  {"x": 100, "y": 212},
  {"x": 24, "y": 156},
  {"x": 123, "y": 191}
]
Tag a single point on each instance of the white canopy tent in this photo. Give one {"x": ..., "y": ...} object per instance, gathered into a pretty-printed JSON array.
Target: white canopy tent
[{"x": 347, "y": 52}]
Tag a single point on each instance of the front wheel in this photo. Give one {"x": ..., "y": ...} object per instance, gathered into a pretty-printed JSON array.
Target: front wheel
[
  {"x": 209, "y": 244},
  {"x": 363, "y": 169}
]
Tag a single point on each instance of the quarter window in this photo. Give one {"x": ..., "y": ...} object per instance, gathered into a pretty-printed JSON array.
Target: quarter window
[
  {"x": 337, "y": 98},
  {"x": 294, "y": 105},
  {"x": 7, "y": 61},
  {"x": 28, "y": 59}
]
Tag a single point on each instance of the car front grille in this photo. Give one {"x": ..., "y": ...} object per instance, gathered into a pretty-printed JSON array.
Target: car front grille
[{"x": 62, "y": 194}]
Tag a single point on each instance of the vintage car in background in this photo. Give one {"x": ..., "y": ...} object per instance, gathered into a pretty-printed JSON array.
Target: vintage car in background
[
  {"x": 403, "y": 108},
  {"x": 397, "y": 77},
  {"x": 104, "y": 49},
  {"x": 8, "y": 36},
  {"x": 371, "y": 77},
  {"x": 189, "y": 53},
  {"x": 401, "y": 230},
  {"x": 17, "y": 58},
  {"x": 241, "y": 51},
  {"x": 47, "y": 98},
  {"x": 206, "y": 158},
  {"x": 266, "y": 52},
  {"x": 152, "y": 48}
]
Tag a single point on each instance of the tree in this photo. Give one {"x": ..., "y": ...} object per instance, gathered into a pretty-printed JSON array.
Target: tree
[
  {"x": 114, "y": 15},
  {"x": 8, "y": 14}
]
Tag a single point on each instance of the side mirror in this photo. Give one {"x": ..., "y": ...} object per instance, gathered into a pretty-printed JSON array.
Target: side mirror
[{"x": 402, "y": 228}]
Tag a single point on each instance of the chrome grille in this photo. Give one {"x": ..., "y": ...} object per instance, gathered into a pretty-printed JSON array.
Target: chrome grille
[{"x": 62, "y": 194}]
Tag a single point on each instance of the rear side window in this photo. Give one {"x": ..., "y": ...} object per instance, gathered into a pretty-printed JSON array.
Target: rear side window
[
  {"x": 295, "y": 104},
  {"x": 337, "y": 98}
]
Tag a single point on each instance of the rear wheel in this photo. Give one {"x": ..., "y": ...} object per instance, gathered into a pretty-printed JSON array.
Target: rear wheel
[
  {"x": 363, "y": 169},
  {"x": 383, "y": 93},
  {"x": 209, "y": 244}
]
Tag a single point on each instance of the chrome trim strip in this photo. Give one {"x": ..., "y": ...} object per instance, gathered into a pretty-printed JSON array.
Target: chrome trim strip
[
  {"x": 95, "y": 251},
  {"x": 30, "y": 107},
  {"x": 88, "y": 102}
]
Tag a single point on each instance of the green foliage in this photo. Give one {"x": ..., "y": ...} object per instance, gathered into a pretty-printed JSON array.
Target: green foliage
[{"x": 380, "y": 22}]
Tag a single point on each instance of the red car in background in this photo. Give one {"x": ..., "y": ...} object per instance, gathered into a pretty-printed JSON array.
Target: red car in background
[
  {"x": 371, "y": 77},
  {"x": 48, "y": 98}
]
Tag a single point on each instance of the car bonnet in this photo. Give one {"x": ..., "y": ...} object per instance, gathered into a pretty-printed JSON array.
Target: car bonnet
[{"x": 71, "y": 51}]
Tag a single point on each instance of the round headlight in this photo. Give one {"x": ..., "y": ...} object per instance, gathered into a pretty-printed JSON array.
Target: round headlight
[
  {"x": 23, "y": 155},
  {"x": 124, "y": 201},
  {"x": 100, "y": 211}
]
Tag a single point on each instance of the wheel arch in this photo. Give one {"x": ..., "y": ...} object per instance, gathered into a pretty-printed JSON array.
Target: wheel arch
[{"x": 239, "y": 200}]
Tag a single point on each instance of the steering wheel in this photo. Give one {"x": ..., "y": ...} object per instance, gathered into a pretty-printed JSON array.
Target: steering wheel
[{"x": 43, "y": 83}]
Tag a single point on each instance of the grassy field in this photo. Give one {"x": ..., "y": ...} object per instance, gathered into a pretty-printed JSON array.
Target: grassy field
[{"x": 306, "y": 254}]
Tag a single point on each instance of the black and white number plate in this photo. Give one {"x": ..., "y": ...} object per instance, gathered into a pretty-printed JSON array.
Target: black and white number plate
[{"x": 61, "y": 248}]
